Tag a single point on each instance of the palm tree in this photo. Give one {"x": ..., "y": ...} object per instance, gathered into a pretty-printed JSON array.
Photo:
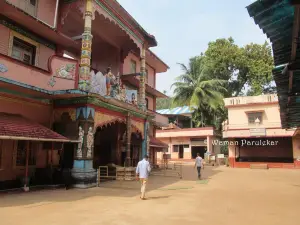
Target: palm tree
[{"x": 195, "y": 88}]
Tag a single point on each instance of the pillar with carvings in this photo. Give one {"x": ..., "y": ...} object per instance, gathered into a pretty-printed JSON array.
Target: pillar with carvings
[
  {"x": 83, "y": 173},
  {"x": 86, "y": 48},
  {"x": 142, "y": 89}
]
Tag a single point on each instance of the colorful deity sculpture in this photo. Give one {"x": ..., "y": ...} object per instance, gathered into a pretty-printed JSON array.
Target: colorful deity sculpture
[{"x": 110, "y": 79}]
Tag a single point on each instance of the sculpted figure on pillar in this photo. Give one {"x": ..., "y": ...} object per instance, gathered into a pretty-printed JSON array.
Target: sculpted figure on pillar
[
  {"x": 90, "y": 142},
  {"x": 80, "y": 143}
]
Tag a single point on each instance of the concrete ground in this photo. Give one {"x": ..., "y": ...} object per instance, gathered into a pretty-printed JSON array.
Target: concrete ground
[{"x": 226, "y": 196}]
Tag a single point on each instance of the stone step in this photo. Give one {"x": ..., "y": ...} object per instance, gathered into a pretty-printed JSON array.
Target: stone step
[{"x": 259, "y": 166}]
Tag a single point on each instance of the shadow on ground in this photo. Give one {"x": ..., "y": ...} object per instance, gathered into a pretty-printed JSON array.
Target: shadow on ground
[{"x": 107, "y": 189}]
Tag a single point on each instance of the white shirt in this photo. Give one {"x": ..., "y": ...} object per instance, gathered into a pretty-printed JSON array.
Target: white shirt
[
  {"x": 143, "y": 168},
  {"x": 198, "y": 161}
]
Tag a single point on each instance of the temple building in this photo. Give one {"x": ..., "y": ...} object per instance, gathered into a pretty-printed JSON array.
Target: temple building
[
  {"x": 77, "y": 91},
  {"x": 254, "y": 134},
  {"x": 279, "y": 20},
  {"x": 182, "y": 140}
]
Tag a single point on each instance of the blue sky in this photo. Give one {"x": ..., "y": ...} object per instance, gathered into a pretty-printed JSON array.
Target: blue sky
[{"x": 184, "y": 28}]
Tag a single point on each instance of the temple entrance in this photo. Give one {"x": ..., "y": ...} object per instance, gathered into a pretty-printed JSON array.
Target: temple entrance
[{"x": 108, "y": 144}]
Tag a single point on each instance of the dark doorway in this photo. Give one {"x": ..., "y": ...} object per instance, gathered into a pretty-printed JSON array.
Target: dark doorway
[
  {"x": 180, "y": 154},
  {"x": 108, "y": 144},
  {"x": 198, "y": 149},
  {"x": 67, "y": 158}
]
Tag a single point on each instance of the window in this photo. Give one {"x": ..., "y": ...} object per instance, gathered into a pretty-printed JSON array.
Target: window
[
  {"x": 133, "y": 66},
  {"x": 23, "y": 51},
  {"x": 252, "y": 117},
  {"x": 175, "y": 148},
  {"x": 21, "y": 154}
]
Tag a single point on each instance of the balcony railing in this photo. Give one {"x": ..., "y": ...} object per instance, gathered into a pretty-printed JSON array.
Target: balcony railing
[
  {"x": 251, "y": 100},
  {"x": 250, "y": 126},
  {"x": 61, "y": 74}
]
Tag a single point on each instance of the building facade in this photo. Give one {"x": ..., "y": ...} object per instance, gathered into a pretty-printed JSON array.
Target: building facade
[
  {"x": 184, "y": 141},
  {"x": 254, "y": 134},
  {"x": 184, "y": 144},
  {"x": 94, "y": 107}
]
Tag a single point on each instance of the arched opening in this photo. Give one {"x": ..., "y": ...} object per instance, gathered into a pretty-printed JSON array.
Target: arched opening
[{"x": 108, "y": 144}]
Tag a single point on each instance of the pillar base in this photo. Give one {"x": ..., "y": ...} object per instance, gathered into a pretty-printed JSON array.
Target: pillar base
[{"x": 83, "y": 174}]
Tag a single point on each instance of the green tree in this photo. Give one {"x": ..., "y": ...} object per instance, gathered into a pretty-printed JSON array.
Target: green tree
[
  {"x": 164, "y": 103},
  {"x": 248, "y": 67},
  {"x": 194, "y": 88}
]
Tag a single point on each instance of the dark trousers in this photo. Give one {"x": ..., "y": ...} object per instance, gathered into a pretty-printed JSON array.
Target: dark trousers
[{"x": 199, "y": 171}]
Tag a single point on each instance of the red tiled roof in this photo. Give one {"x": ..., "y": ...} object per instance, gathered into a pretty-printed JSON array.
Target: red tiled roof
[
  {"x": 157, "y": 143},
  {"x": 14, "y": 126}
]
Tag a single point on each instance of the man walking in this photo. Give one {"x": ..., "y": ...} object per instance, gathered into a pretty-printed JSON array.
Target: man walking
[
  {"x": 142, "y": 172},
  {"x": 199, "y": 164}
]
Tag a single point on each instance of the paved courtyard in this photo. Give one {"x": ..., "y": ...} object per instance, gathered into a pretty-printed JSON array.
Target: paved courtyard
[{"x": 228, "y": 196}]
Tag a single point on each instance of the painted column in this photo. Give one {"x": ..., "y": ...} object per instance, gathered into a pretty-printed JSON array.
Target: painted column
[
  {"x": 142, "y": 94},
  {"x": 86, "y": 48},
  {"x": 83, "y": 172},
  {"x": 128, "y": 140},
  {"x": 146, "y": 141}
]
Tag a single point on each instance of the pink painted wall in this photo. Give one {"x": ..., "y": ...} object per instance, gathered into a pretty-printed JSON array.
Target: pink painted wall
[
  {"x": 107, "y": 57},
  {"x": 189, "y": 132},
  {"x": 150, "y": 103},
  {"x": 35, "y": 77},
  {"x": 43, "y": 55},
  {"x": 45, "y": 9},
  {"x": 127, "y": 64},
  {"x": 36, "y": 112},
  {"x": 4, "y": 39},
  {"x": 127, "y": 68},
  {"x": 8, "y": 169},
  {"x": 151, "y": 75}
]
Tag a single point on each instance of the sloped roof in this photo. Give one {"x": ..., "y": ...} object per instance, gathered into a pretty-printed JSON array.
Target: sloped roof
[
  {"x": 154, "y": 142},
  {"x": 14, "y": 126},
  {"x": 176, "y": 111},
  {"x": 275, "y": 18}
]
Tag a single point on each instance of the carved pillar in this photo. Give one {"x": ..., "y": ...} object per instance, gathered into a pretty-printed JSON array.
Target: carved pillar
[
  {"x": 146, "y": 141},
  {"x": 128, "y": 140},
  {"x": 83, "y": 173},
  {"x": 142, "y": 94},
  {"x": 86, "y": 48}
]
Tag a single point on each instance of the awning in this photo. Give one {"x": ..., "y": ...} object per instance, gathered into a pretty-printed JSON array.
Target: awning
[
  {"x": 155, "y": 143},
  {"x": 16, "y": 127}
]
